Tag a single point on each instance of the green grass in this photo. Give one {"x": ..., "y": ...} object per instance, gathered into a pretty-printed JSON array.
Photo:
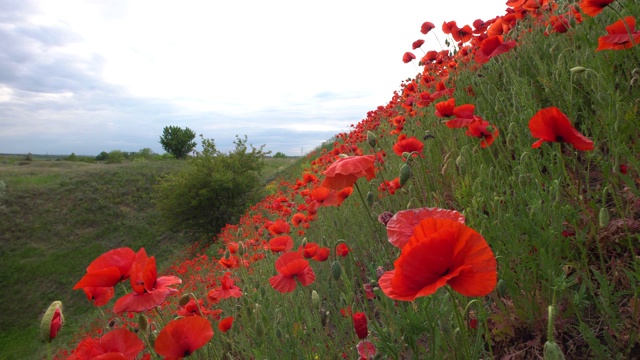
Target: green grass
[{"x": 563, "y": 224}]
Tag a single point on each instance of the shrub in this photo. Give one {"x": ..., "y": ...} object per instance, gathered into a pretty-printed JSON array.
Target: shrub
[{"x": 213, "y": 190}]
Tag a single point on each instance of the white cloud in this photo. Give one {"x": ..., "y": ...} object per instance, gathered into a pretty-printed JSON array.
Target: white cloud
[{"x": 246, "y": 67}]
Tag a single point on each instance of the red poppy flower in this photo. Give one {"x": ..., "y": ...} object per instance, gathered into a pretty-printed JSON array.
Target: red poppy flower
[
  {"x": 281, "y": 243},
  {"x": 225, "y": 324},
  {"x": 322, "y": 254},
  {"x": 463, "y": 116},
  {"x": 594, "y": 7},
  {"x": 99, "y": 296},
  {"x": 181, "y": 337},
  {"x": 116, "y": 344},
  {"x": 426, "y": 27},
  {"x": 360, "y": 324},
  {"x": 342, "y": 250},
  {"x": 448, "y": 27},
  {"x": 618, "y": 38},
  {"x": 416, "y": 44},
  {"x": 309, "y": 250},
  {"x": 226, "y": 289},
  {"x": 462, "y": 34},
  {"x": 492, "y": 46},
  {"x": 108, "y": 269},
  {"x": 445, "y": 108},
  {"x": 407, "y": 57},
  {"x": 346, "y": 171},
  {"x": 408, "y": 145},
  {"x": 291, "y": 267},
  {"x": 482, "y": 129},
  {"x": 366, "y": 349},
  {"x": 279, "y": 227},
  {"x": 441, "y": 252},
  {"x": 551, "y": 125},
  {"x": 400, "y": 226},
  {"x": 149, "y": 290}
]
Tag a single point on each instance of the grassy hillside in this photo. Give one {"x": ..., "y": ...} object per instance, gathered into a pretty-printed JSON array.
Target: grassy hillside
[{"x": 547, "y": 257}]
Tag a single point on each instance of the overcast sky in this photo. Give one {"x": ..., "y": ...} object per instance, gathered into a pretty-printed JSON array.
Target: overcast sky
[{"x": 89, "y": 76}]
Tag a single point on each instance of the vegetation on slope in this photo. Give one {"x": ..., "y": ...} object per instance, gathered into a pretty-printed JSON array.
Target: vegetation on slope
[{"x": 561, "y": 218}]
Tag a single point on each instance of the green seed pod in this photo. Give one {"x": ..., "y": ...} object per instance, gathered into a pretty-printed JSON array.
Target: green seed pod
[
  {"x": 603, "y": 217},
  {"x": 405, "y": 174},
  {"x": 552, "y": 351},
  {"x": 372, "y": 139},
  {"x": 143, "y": 323},
  {"x": 336, "y": 270}
]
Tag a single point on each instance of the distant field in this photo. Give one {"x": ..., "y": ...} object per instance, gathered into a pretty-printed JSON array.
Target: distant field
[{"x": 56, "y": 216}]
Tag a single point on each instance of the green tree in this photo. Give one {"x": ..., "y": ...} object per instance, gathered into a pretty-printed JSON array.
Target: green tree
[
  {"x": 177, "y": 141},
  {"x": 213, "y": 190},
  {"x": 279, "y": 155}
]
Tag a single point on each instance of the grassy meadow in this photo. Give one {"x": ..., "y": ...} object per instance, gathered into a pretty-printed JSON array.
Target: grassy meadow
[{"x": 561, "y": 219}]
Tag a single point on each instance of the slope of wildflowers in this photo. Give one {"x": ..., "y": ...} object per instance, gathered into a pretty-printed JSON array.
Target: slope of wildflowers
[{"x": 489, "y": 210}]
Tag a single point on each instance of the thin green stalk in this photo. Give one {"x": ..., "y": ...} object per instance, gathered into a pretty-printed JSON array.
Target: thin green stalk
[{"x": 461, "y": 324}]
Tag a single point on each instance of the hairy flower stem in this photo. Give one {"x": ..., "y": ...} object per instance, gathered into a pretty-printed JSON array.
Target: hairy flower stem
[
  {"x": 364, "y": 204},
  {"x": 461, "y": 323}
]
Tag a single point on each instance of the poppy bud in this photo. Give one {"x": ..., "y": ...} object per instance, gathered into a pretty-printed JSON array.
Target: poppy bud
[
  {"x": 184, "y": 300},
  {"x": 428, "y": 135},
  {"x": 304, "y": 242},
  {"x": 143, "y": 323},
  {"x": 370, "y": 198},
  {"x": 552, "y": 351},
  {"x": 577, "y": 70},
  {"x": 460, "y": 161},
  {"x": 227, "y": 254},
  {"x": 52, "y": 321},
  {"x": 343, "y": 156},
  {"x": 372, "y": 139},
  {"x": 360, "y": 325},
  {"x": 405, "y": 174},
  {"x": 603, "y": 217},
  {"x": 336, "y": 270},
  {"x": 511, "y": 140},
  {"x": 315, "y": 298},
  {"x": 152, "y": 337}
]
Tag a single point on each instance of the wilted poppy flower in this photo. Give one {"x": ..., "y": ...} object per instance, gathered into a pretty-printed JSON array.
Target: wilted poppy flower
[
  {"x": 291, "y": 267},
  {"x": 281, "y": 243},
  {"x": 181, "y": 337},
  {"x": 108, "y": 269},
  {"x": 551, "y": 125},
  {"x": 400, "y": 226},
  {"x": 225, "y": 324},
  {"x": 594, "y": 7},
  {"x": 344, "y": 172},
  {"x": 149, "y": 290},
  {"x": 482, "y": 129},
  {"x": 426, "y": 27},
  {"x": 441, "y": 252},
  {"x": 116, "y": 344},
  {"x": 618, "y": 38},
  {"x": 492, "y": 46},
  {"x": 407, "y": 57},
  {"x": 360, "y": 324}
]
